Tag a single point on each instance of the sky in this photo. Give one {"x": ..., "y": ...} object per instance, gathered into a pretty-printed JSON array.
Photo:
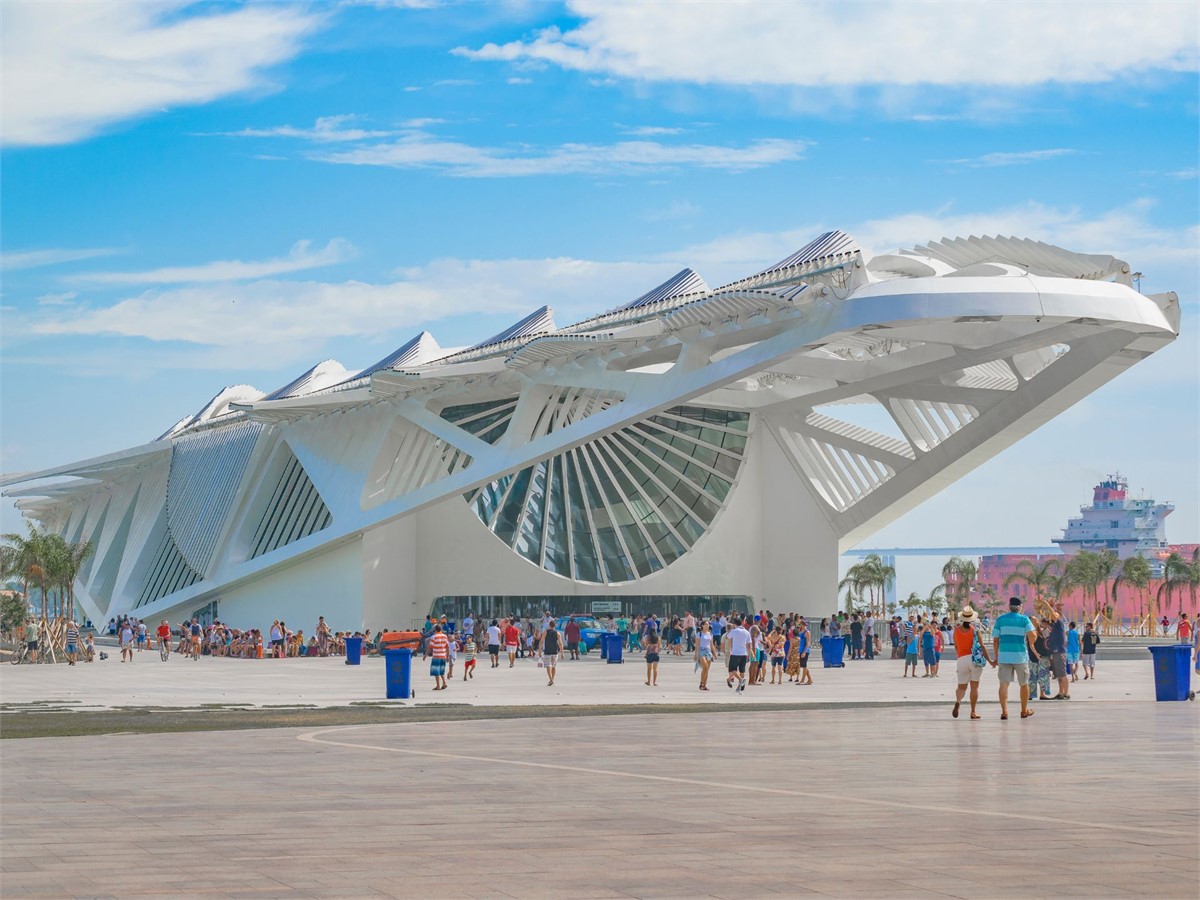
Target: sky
[{"x": 197, "y": 195}]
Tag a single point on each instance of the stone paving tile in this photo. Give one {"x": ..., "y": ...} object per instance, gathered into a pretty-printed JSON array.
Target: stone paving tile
[{"x": 770, "y": 816}]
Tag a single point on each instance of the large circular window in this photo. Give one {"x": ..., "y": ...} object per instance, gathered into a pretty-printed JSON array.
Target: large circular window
[{"x": 617, "y": 508}]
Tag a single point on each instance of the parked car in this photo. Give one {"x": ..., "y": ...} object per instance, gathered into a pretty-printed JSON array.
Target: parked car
[{"x": 590, "y": 629}]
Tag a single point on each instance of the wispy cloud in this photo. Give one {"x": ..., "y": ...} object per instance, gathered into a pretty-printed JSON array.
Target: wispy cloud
[
  {"x": 902, "y": 44},
  {"x": 326, "y": 129},
  {"x": 992, "y": 160},
  {"x": 71, "y": 69},
  {"x": 422, "y": 151},
  {"x": 1185, "y": 174},
  {"x": 301, "y": 256},
  {"x": 30, "y": 259},
  {"x": 63, "y": 298},
  {"x": 517, "y": 80},
  {"x": 650, "y": 131}
]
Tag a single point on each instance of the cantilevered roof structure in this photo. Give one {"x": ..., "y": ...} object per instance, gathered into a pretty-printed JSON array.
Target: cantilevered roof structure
[{"x": 689, "y": 442}]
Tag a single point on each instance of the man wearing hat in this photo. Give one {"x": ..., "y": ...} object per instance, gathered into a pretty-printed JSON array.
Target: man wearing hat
[
  {"x": 972, "y": 657},
  {"x": 1012, "y": 643}
]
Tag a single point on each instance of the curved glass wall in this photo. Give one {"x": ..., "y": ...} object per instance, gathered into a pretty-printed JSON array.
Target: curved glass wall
[{"x": 617, "y": 508}]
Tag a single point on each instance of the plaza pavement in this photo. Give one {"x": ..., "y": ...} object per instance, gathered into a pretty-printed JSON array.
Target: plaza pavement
[
  {"x": 1082, "y": 800},
  {"x": 182, "y": 682}
]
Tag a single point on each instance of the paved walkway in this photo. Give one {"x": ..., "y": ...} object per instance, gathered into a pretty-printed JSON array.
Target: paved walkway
[
  {"x": 1087, "y": 799},
  {"x": 181, "y": 682}
]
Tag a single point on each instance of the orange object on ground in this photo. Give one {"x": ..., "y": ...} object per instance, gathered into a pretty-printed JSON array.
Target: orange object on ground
[{"x": 400, "y": 640}]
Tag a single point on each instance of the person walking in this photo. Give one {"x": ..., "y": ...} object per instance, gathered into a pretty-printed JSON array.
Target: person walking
[
  {"x": 1012, "y": 642},
  {"x": 127, "y": 641},
  {"x": 72, "y": 640},
  {"x": 703, "y": 653},
  {"x": 573, "y": 634},
  {"x": 470, "y": 652},
  {"x": 512, "y": 641},
  {"x": 739, "y": 645},
  {"x": 972, "y": 657},
  {"x": 439, "y": 648},
  {"x": 1087, "y": 658},
  {"x": 1073, "y": 652},
  {"x": 803, "y": 642},
  {"x": 494, "y": 638},
  {"x": 653, "y": 651},
  {"x": 551, "y": 647}
]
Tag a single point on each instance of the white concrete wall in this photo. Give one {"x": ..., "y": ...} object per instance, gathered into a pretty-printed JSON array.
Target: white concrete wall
[
  {"x": 770, "y": 540},
  {"x": 328, "y": 584}
]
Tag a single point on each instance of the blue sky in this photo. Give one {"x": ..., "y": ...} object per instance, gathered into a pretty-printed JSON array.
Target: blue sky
[{"x": 199, "y": 195}]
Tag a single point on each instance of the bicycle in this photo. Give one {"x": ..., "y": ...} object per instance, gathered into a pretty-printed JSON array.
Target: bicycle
[
  {"x": 22, "y": 658},
  {"x": 164, "y": 649}
]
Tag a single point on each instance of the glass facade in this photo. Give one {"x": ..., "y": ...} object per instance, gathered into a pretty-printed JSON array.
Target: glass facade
[
  {"x": 619, "y": 507},
  {"x": 490, "y": 607}
]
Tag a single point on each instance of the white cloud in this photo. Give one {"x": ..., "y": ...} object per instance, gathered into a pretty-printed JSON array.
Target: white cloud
[
  {"x": 326, "y": 129},
  {"x": 826, "y": 44},
  {"x": 1185, "y": 174},
  {"x": 30, "y": 259},
  {"x": 423, "y": 151},
  {"x": 70, "y": 69},
  {"x": 301, "y": 256},
  {"x": 62, "y": 298},
  {"x": 517, "y": 80},
  {"x": 651, "y": 131},
  {"x": 295, "y": 317},
  {"x": 991, "y": 160},
  {"x": 290, "y": 321}
]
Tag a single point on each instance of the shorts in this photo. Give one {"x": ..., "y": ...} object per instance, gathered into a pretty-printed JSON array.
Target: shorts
[
  {"x": 761, "y": 657},
  {"x": 1018, "y": 670},
  {"x": 651, "y": 657},
  {"x": 437, "y": 667},
  {"x": 72, "y": 648},
  {"x": 1072, "y": 658},
  {"x": 804, "y": 660},
  {"x": 277, "y": 642},
  {"x": 511, "y": 648},
  {"x": 737, "y": 664},
  {"x": 31, "y": 645},
  {"x": 1089, "y": 660},
  {"x": 1058, "y": 665},
  {"x": 572, "y": 646},
  {"x": 141, "y": 639},
  {"x": 550, "y": 660},
  {"x": 705, "y": 653},
  {"x": 469, "y": 665},
  {"x": 494, "y": 649},
  {"x": 910, "y": 659},
  {"x": 777, "y": 660},
  {"x": 968, "y": 671}
]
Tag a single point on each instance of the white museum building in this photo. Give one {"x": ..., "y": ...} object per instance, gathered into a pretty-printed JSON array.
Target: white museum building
[{"x": 694, "y": 448}]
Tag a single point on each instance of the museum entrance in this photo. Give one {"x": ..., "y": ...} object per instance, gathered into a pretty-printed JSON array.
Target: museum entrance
[{"x": 496, "y": 607}]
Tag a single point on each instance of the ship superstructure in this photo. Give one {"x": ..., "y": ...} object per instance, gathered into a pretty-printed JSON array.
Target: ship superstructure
[{"x": 1128, "y": 526}]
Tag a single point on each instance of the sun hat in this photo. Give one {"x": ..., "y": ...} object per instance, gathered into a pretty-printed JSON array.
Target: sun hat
[{"x": 967, "y": 615}]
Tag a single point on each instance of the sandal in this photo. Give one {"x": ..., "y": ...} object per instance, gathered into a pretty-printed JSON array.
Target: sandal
[
  {"x": 954, "y": 712},
  {"x": 976, "y": 716},
  {"x": 1003, "y": 716},
  {"x": 1026, "y": 714}
]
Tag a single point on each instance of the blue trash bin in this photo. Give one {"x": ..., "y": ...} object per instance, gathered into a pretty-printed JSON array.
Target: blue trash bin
[
  {"x": 614, "y": 648},
  {"x": 353, "y": 651},
  {"x": 1172, "y": 672},
  {"x": 398, "y": 669},
  {"x": 832, "y": 650}
]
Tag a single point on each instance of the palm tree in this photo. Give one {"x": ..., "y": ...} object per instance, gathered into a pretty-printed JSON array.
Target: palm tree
[
  {"x": 1089, "y": 571},
  {"x": 989, "y": 601},
  {"x": 853, "y": 584},
  {"x": 1135, "y": 573},
  {"x": 958, "y": 578},
  {"x": 1038, "y": 576},
  {"x": 28, "y": 557},
  {"x": 914, "y": 601},
  {"x": 936, "y": 600},
  {"x": 866, "y": 577},
  {"x": 68, "y": 565},
  {"x": 1175, "y": 578}
]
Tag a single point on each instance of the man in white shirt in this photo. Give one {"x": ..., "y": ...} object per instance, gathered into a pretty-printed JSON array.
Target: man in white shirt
[
  {"x": 869, "y": 635},
  {"x": 494, "y": 642},
  {"x": 739, "y": 645}
]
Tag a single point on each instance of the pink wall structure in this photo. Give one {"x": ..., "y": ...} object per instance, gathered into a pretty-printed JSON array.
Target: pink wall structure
[{"x": 993, "y": 570}]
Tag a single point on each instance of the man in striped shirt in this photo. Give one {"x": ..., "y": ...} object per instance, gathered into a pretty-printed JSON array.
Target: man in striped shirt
[
  {"x": 439, "y": 649},
  {"x": 1012, "y": 643},
  {"x": 72, "y": 642}
]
